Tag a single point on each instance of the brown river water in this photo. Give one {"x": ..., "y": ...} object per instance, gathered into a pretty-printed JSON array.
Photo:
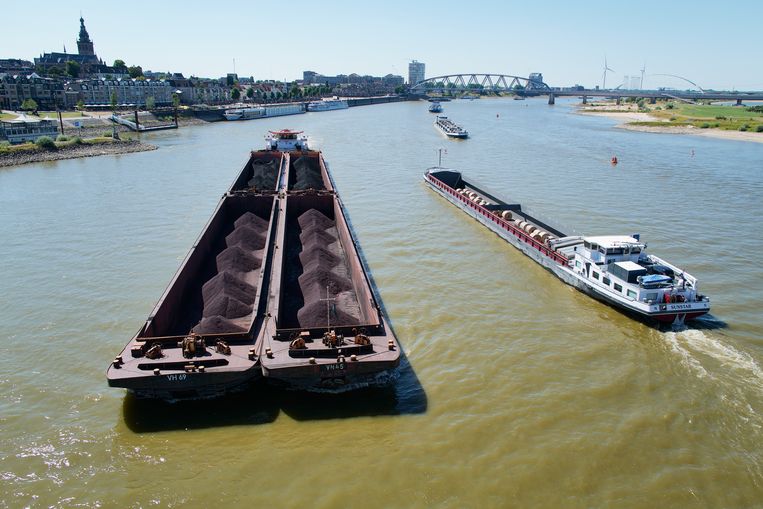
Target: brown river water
[{"x": 516, "y": 390}]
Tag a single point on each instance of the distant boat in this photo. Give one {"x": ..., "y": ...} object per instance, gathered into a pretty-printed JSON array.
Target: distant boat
[
  {"x": 449, "y": 128},
  {"x": 435, "y": 107},
  {"x": 328, "y": 104},
  {"x": 244, "y": 113}
]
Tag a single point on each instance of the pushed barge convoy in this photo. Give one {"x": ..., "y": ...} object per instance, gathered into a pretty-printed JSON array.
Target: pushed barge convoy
[
  {"x": 613, "y": 269},
  {"x": 274, "y": 285}
]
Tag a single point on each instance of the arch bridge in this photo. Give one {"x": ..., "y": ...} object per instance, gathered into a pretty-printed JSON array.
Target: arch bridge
[{"x": 480, "y": 82}]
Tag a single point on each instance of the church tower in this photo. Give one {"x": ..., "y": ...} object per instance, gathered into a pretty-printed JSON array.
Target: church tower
[{"x": 84, "y": 44}]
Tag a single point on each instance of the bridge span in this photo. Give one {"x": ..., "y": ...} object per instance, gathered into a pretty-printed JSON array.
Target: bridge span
[{"x": 532, "y": 86}]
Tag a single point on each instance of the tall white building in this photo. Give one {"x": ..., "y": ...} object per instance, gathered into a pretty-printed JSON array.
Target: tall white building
[{"x": 415, "y": 72}]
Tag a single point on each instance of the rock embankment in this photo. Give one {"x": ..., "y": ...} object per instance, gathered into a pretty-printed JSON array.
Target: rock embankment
[{"x": 74, "y": 151}]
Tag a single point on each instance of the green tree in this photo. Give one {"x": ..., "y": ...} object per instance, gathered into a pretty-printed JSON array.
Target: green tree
[
  {"x": 120, "y": 64},
  {"x": 249, "y": 92},
  {"x": 235, "y": 94},
  {"x": 175, "y": 100},
  {"x": 150, "y": 102},
  {"x": 114, "y": 101},
  {"x": 54, "y": 71},
  {"x": 135, "y": 71},
  {"x": 72, "y": 68},
  {"x": 80, "y": 105},
  {"x": 29, "y": 105},
  {"x": 229, "y": 80}
]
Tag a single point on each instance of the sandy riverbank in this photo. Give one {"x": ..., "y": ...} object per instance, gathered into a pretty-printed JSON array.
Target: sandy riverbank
[
  {"x": 74, "y": 151},
  {"x": 627, "y": 116}
]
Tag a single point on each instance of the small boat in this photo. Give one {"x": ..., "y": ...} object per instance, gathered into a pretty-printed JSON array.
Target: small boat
[
  {"x": 449, "y": 128},
  {"x": 615, "y": 269},
  {"x": 435, "y": 107},
  {"x": 328, "y": 104}
]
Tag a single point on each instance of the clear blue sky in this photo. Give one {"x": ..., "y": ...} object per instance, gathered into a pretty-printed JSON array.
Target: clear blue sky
[{"x": 716, "y": 44}]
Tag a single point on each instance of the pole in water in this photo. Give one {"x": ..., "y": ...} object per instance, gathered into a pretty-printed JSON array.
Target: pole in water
[{"x": 439, "y": 156}]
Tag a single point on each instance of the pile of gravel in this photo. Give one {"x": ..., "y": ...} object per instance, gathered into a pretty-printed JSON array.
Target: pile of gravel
[
  {"x": 320, "y": 279},
  {"x": 264, "y": 174},
  {"x": 227, "y": 296},
  {"x": 307, "y": 174}
]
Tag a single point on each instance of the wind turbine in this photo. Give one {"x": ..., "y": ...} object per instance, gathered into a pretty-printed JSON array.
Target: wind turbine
[
  {"x": 604, "y": 79},
  {"x": 643, "y": 69}
]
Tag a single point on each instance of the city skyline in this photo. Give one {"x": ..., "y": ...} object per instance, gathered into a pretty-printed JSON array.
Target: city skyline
[{"x": 567, "y": 44}]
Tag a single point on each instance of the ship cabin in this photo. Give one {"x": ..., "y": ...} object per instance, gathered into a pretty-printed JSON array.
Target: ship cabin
[
  {"x": 620, "y": 265},
  {"x": 285, "y": 140},
  {"x": 610, "y": 249}
]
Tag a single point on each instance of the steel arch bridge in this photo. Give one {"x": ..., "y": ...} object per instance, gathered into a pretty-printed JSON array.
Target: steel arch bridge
[{"x": 479, "y": 82}]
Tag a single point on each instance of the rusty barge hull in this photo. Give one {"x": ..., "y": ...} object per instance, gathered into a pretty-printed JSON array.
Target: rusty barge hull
[{"x": 274, "y": 272}]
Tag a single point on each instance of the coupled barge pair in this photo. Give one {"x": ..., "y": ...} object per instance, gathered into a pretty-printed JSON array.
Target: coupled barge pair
[
  {"x": 274, "y": 286},
  {"x": 614, "y": 269}
]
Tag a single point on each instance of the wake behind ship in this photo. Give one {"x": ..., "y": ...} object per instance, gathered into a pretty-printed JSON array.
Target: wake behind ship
[
  {"x": 274, "y": 285},
  {"x": 615, "y": 269}
]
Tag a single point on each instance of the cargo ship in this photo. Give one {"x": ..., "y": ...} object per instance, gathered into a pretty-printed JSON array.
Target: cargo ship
[
  {"x": 450, "y": 128},
  {"x": 275, "y": 276},
  {"x": 614, "y": 269}
]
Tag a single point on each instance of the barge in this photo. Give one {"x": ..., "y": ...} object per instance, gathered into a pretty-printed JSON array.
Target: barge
[
  {"x": 614, "y": 269},
  {"x": 450, "y": 128},
  {"x": 198, "y": 342},
  {"x": 274, "y": 285},
  {"x": 326, "y": 329}
]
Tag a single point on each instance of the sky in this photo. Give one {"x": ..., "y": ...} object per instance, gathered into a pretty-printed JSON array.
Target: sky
[{"x": 710, "y": 43}]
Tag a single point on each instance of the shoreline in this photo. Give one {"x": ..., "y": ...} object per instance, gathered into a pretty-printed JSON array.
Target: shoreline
[
  {"x": 634, "y": 116},
  {"x": 74, "y": 152}
]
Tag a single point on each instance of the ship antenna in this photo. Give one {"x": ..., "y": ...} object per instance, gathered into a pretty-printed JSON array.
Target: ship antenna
[{"x": 328, "y": 309}]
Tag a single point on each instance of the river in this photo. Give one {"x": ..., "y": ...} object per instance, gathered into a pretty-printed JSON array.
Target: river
[{"x": 516, "y": 390}]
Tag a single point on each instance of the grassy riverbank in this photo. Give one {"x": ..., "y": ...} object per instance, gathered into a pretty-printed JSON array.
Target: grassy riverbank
[{"x": 729, "y": 122}]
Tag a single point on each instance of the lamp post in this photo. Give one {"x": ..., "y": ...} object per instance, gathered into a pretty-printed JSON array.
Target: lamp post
[{"x": 176, "y": 103}]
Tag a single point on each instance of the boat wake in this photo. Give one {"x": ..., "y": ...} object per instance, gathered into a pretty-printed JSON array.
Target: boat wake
[{"x": 692, "y": 344}]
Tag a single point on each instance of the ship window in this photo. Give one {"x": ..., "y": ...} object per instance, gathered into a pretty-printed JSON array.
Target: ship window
[
  {"x": 651, "y": 296},
  {"x": 605, "y": 280},
  {"x": 618, "y": 287},
  {"x": 631, "y": 294},
  {"x": 595, "y": 275},
  {"x": 577, "y": 263}
]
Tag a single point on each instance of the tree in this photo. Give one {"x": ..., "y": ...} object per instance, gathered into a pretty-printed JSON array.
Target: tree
[
  {"x": 29, "y": 105},
  {"x": 235, "y": 94},
  {"x": 229, "y": 80},
  {"x": 249, "y": 92},
  {"x": 114, "y": 101},
  {"x": 72, "y": 68},
  {"x": 135, "y": 71},
  {"x": 54, "y": 71},
  {"x": 80, "y": 105},
  {"x": 120, "y": 64},
  {"x": 175, "y": 99},
  {"x": 150, "y": 102}
]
